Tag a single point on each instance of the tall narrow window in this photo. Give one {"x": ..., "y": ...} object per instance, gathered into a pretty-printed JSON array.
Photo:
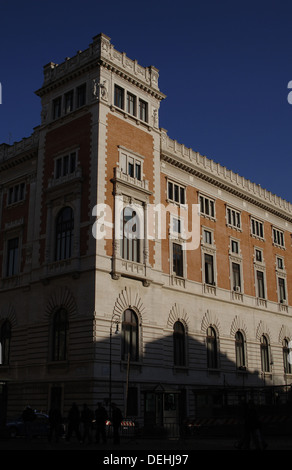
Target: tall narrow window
[
  {"x": 59, "y": 335},
  {"x": 177, "y": 255},
  {"x": 81, "y": 95},
  {"x": 143, "y": 110},
  {"x": 131, "y": 104},
  {"x": 239, "y": 350},
  {"x": 236, "y": 277},
  {"x": 286, "y": 357},
  {"x": 57, "y": 107},
  {"x": 5, "y": 339},
  {"x": 212, "y": 359},
  {"x": 265, "y": 356},
  {"x": 261, "y": 284},
  {"x": 209, "y": 270},
  {"x": 119, "y": 97},
  {"x": 130, "y": 236},
  {"x": 12, "y": 267},
  {"x": 179, "y": 354},
  {"x": 64, "y": 234},
  {"x": 130, "y": 342},
  {"x": 282, "y": 290},
  {"x": 69, "y": 101}
]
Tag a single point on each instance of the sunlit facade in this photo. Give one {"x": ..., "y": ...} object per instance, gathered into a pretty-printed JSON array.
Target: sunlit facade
[{"x": 103, "y": 295}]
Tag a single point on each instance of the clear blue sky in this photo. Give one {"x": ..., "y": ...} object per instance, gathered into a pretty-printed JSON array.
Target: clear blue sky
[{"x": 224, "y": 66}]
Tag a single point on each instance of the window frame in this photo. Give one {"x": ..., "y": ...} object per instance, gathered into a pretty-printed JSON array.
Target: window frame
[
  {"x": 240, "y": 355},
  {"x": 207, "y": 202},
  {"x": 257, "y": 228},
  {"x": 60, "y": 333},
  {"x": 64, "y": 234},
  {"x": 233, "y": 218},
  {"x": 180, "y": 191},
  {"x": 5, "y": 342},
  {"x": 12, "y": 265},
  {"x": 212, "y": 348},
  {"x": 278, "y": 237},
  {"x": 130, "y": 329},
  {"x": 265, "y": 354},
  {"x": 179, "y": 344}
]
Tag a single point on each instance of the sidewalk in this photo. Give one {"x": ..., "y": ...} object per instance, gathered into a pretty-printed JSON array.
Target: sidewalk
[{"x": 142, "y": 444}]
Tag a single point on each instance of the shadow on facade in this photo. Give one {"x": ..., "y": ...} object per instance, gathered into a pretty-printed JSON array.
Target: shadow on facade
[{"x": 172, "y": 391}]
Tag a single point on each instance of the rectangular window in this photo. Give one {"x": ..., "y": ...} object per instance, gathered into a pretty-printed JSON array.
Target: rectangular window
[
  {"x": 57, "y": 104},
  {"x": 176, "y": 193},
  {"x": 208, "y": 237},
  {"x": 233, "y": 218},
  {"x": 278, "y": 237},
  {"x": 12, "y": 257},
  {"x": 176, "y": 227},
  {"x": 119, "y": 97},
  {"x": 257, "y": 228},
  {"x": 236, "y": 277},
  {"x": 282, "y": 289},
  {"x": 131, "y": 104},
  {"x": 65, "y": 165},
  {"x": 207, "y": 206},
  {"x": 177, "y": 255},
  {"x": 280, "y": 263},
  {"x": 143, "y": 110},
  {"x": 16, "y": 193},
  {"x": 259, "y": 256},
  {"x": 81, "y": 95},
  {"x": 209, "y": 270},
  {"x": 234, "y": 247},
  {"x": 131, "y": 165},
  {"x": 69, "y": 100},
  {"x": 260, "y": 284}
]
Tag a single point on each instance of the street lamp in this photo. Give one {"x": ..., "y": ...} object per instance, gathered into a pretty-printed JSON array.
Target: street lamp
[{"x": 116, "y": 323}]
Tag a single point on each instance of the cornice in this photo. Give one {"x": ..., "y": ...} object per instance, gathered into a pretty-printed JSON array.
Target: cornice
[
  {"x": 200, "y": 166},
  {"x": 101, "y": 53}
]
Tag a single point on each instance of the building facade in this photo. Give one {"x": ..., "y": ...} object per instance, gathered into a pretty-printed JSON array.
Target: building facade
[{"x": 134, "y": 269}]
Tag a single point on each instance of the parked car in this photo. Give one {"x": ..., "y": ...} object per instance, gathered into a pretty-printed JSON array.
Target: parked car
[{"x": 39, "y": 426}]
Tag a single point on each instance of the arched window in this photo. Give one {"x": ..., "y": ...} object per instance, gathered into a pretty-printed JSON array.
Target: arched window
[
  {"x": 5, "y": 339},
  {"x": 265, "y": 356},
  {"x": 179, "y": 352},
  {"x": 286, "y": 357},
  {"x": 239, "y": 350},
  {"x": 130, "y": 339},
  {"x": 212, "y": 358},
  {"x": 64, "y": 234},
  {"x": 130, "y": 235},
  {"x": 60, "y": 335}
]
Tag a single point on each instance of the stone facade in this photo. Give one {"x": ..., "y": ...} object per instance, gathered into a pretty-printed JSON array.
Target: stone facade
[{"x": 197, "y": 322}]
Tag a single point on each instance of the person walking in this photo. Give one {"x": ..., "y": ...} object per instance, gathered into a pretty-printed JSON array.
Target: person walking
[
  {"x": 116, "y": 422},
  {"x": 100, "y": 419},
  {"x": 28, "y": 417},
  {"x": 73, "y": 422},
  {"x": 86, "y": 420},
  {"x": 55, "y": 420}
]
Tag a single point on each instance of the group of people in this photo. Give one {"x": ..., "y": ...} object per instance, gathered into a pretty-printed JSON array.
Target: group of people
[{"x": 84, "y": 423}]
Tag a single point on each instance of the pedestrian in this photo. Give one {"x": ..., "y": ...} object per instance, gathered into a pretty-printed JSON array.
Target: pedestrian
[
  {"x": 73, "y": 422},
  {"x": 116, "y": 422},
  {"x": 55, "y": 420},
  {"x": 87, "y": 420},
  {"x": 100, "y": 420},
  {"x": 28, "y": 417},
  {"x": 252, "y": 430}
]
